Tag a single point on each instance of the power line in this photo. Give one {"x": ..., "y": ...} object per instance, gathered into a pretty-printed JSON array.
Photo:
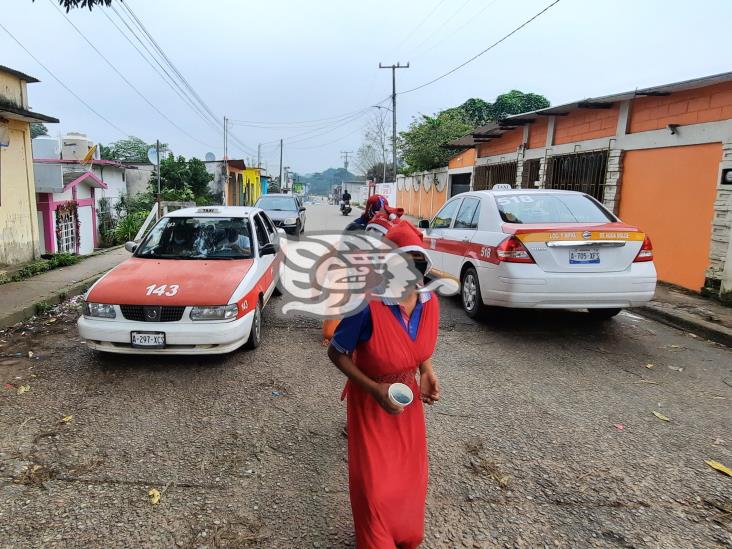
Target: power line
[
  {"x": 123, "y": 77},
  {"x": 418, "y": 25},
  {"x": 49, "y": 71},
  {"x": 298, "y": 123},
  {"x": 514, "y": 31}
]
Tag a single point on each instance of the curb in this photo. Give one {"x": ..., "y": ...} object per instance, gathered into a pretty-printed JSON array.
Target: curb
[
  {"x": 19, "y": 315},
  {"x": 689, "y": 323}
]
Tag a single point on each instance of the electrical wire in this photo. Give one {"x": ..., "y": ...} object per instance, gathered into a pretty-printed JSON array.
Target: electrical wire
[
  {"x": 49, "y": 71},
  {"x": 418, "y": 25},
  {"x": 514, "y": 31},
  {"x": 124, "y": 78}
]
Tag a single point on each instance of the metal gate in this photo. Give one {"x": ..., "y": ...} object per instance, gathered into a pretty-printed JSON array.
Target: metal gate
[
  {"x": 584, "y": 172},
  {"x": 530, "y": 174},
  {"x": 66, "y": 232},
  {"x": 487, "y": 176},
  {"x": 459, "y": 183}
]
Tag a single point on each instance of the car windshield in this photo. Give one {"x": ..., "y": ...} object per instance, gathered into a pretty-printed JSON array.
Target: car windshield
[
  {"x": 551, "y": 208},
  {"x": 277, "y": 203},
  {"x": 198, "y": 238}
]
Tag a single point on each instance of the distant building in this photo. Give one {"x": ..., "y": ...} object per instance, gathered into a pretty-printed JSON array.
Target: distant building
[{"x": 19, "y": 237}]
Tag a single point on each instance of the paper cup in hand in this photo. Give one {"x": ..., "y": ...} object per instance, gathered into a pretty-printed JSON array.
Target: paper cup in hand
[{"x": 400, "y": 394}]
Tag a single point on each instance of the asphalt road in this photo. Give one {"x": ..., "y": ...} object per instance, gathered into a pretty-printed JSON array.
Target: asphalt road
[{"x": 545, "y": 437}]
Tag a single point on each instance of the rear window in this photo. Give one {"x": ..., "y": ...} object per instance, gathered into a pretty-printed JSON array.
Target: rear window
[
  {"x": 551, "y": 208},
  {"x": 277, "y": 203}
]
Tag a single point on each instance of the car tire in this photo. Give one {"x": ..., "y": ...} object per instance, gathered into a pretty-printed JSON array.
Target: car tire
[
  {"x": 255, "y": 334},
  {"x": 604, "y": 314},
  {"x": 298, "y": 229},
  {"x": 470, "y": 295},
  {"x": 302, "y": 229}
]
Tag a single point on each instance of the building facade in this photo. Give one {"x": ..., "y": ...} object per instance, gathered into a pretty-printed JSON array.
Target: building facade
[
  {"x": 660, "y": 158},
  {"x": 19, "y": 237}
]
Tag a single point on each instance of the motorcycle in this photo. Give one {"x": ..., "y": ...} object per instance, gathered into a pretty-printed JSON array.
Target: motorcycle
[{"x": 345, "y": 207}]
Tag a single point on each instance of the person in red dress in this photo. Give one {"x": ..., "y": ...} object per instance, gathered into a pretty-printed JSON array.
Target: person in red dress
[{"x": 388, "y": 342}]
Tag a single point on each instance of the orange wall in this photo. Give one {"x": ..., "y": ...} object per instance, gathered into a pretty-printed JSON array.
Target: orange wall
[
  {"x": 462, "y": 159},
  {"x": 420, "y": 203},
  {"x": 508, "y": 142},
  {"x": 537, "y": 132},
  {"x": 687, "y": 107},
  {"x": 586, "y": 124},
  {"x": 669, "y": 193}
]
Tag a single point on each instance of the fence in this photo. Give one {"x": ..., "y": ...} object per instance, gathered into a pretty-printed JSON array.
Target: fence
[
  {"x": 584, "y": 172},
  {"x": 487, "y": 176}
]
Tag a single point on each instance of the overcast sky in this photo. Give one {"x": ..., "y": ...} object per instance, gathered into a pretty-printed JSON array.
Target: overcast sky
[{"x": 281, "y": 62}]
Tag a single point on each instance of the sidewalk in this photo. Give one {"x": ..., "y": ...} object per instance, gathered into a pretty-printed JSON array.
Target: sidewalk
[
  {"x": 690, "y": 312},
  {"x": 18, "y": 300}
]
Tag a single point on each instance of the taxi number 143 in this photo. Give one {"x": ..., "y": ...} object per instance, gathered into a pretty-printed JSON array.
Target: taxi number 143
[{"x": 163, "y": 289}]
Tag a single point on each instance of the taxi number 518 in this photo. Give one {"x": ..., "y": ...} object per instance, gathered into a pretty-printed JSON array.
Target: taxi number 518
[{"x": 164, "y": 289}]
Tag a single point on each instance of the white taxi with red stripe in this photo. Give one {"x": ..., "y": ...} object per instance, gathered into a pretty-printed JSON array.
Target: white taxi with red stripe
[
  {"x": 196, "y": 284},
  {"x": 540, "y": 249}
]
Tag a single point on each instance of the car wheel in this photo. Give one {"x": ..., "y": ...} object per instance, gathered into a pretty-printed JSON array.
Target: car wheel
[
  {"x": 302, "y": 229},
  {"x": 470, "y": 293},
  {"x": 298, "y": 229},
  {"x": 604, "y": 314},
  {"x": 255, "y": 334}
]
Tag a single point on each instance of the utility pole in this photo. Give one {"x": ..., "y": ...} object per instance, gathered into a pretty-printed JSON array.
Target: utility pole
[
  {"x": 226, "y": 162},
  {"x": 157, "y": 154},
  {"x": 344, "y": 156},
  {"x": 393, "y": 109},
  {"x": 281, "y": 182},
  {"x": 259, "y": 155}
]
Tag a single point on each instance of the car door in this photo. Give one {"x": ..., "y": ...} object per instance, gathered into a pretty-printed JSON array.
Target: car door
[
  {"x": 437, "y": 231},
  {"x": 264, "y": 264},
  {"x": 458, "y": 238}
]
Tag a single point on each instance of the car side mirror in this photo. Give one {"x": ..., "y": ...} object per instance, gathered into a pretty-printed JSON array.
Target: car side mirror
[
  {"x": 131, "y": 246},
  {"x": 424, "y": 224},
  {"x": 268, "y": 249},
  {"x": 281, "y": 231},
  {"x": 303, "y": 209}
]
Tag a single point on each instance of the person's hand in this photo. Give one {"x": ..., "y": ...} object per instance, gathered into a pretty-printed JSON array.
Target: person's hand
[
  {"x": 381, "y": 394},
  {"x": 429, "y": 388}
]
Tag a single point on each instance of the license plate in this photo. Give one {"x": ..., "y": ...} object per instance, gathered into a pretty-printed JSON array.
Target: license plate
[
  {"x": 586, "y": 256},
  {"x": 148, "y": 340}
]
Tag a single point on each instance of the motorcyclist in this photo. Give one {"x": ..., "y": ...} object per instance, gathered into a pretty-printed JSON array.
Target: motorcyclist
[{"x": 346, "y": 196}]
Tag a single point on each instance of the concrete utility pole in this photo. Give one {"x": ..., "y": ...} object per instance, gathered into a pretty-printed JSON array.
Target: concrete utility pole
[
  {"x": 281, "y": 182},
  {"x": 259, "y": 155},
  {"x": 393, "y": 109},
  {"x": 226, "y": 161},
  {"x": 157, "y": 154},
  {"x": 344, "y": 156}
]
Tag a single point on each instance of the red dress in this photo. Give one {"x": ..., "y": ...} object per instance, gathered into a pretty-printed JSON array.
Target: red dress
[{"x": 387, "y": 454}]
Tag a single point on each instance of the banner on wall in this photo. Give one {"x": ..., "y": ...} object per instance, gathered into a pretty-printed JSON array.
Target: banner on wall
[{"x": 388, "y": 190}]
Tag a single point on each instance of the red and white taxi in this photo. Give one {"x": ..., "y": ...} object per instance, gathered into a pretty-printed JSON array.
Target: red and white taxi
[
  {"x": 540, "y": 249},
  {"x": 196, "y": 284}
]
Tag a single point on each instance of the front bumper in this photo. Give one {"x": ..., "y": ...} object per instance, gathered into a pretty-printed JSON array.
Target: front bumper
[
  {"x": 181, "y": 338},
  {"x": 528, "y": 286}
]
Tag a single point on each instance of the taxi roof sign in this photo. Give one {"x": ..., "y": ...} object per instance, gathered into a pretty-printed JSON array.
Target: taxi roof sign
[{"x": 502, "y": 187}]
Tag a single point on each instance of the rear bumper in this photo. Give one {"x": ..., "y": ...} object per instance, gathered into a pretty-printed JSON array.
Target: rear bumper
[
  {"x": 181, "y": 338},
  {"x": 527, "y": 286}
]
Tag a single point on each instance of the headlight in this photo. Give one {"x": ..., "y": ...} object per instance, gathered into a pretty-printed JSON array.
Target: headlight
[
  {"x": 290, "y": 221},
  {"x": 221, "y": 312},
  {"x": 99, "y": 310}
]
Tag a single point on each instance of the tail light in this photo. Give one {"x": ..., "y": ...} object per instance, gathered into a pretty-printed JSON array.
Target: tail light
[
  {"x": 646, "y": 251},
  {"x": 512, "y": 250}
]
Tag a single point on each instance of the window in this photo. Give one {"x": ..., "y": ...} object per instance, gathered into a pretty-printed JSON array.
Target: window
[
  {"x": 488, "y": 176},
  {"x": 198, "y": 238},
  {"x": 584, "y": 172},
  {"x": 277, "y": 203},
  {"x": 444, "y": 217},
  {"x": 467, "y": 217},
  {"x": 262, "y": 238},
  {"x": 269, "y": 226},
  {"x": 555, "y": 208},
  {"x": 66, "y": 232}
]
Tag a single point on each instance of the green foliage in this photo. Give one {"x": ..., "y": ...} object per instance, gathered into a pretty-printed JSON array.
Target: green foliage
[
  {"x": 54, "y": 261},
  {"x": 421, "y": 144},
  {"x": 37, "y": 129},
  {"x": 128, "y": 226},
  {"x": 376, "y": 172},
  {"x": 131, "y": 149},
  {"x": 516, "y": 102},
  {"x": 182, "y": 180},
  {"x": 69, "y": 4},
  {"x": 42, "y": 308}
]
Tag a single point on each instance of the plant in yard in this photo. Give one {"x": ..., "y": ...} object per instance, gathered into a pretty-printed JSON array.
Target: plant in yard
[{"x": 128, "y": 226}]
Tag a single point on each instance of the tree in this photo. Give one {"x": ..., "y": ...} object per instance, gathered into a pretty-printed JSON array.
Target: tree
[
  {"x": 182, "y": 179},
  {"x": 37, "y": 128},
  {"x": 69, "y": 4},
  {"x": 517, "y": 102},
  {"x": 199, "y": 178},
  {"x": 474, "y": 111},
  {"x": 132, "y": 149},
  {"x": 376, "y": 173},
  {"x": 421, "y": 145}
]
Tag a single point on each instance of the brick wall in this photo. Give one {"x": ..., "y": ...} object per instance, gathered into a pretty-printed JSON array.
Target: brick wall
[
  {"x": 686, "y": 107},
  {"x": 507, "y": 143},
  {"x": 537, "y": 133},
  {"x": 584, "y": 124},
  {"x": 462, "y": 159}
]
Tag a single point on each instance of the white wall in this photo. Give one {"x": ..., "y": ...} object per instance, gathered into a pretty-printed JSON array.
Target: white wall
[
  {"x": 116, "y": 185},
  {"x": 87, "y": 229}
]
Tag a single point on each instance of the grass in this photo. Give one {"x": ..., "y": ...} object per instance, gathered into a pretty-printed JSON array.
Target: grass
[{"x": 41, "y": 266}]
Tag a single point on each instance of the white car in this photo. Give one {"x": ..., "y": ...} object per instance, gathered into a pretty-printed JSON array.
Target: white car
[
  {"x": 545, "y": 249},
  {"x": 196, "y": 284}
]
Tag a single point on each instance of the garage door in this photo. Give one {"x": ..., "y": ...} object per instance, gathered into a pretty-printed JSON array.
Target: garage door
[{"x": 669, "y": 193}]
